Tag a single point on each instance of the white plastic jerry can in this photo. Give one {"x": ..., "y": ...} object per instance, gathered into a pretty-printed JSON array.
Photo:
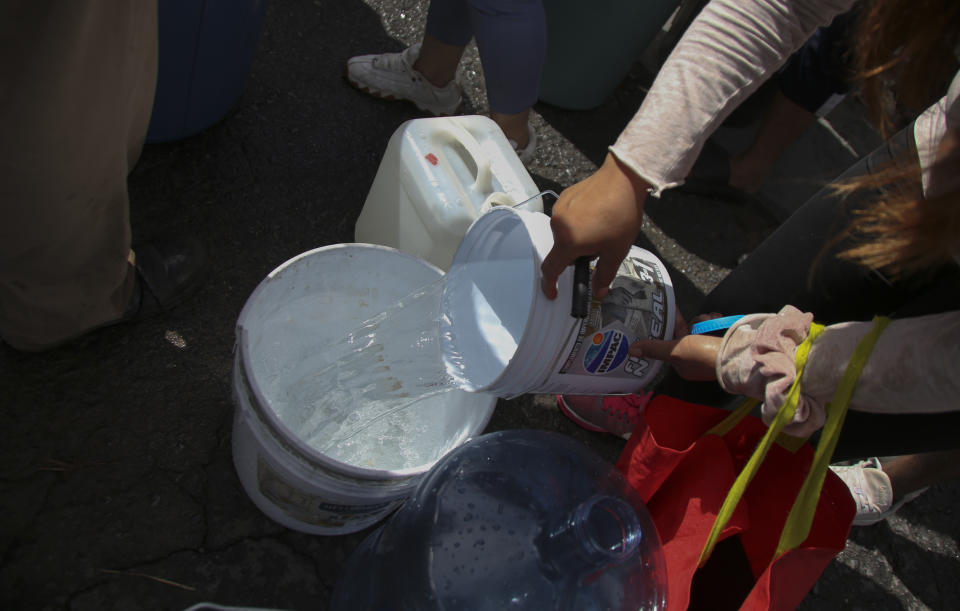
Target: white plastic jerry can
[{"x": 436, "y": 176}]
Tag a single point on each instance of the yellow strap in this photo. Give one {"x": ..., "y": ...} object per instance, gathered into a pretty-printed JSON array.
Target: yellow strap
[
  {"x": 800, "y": 360},
  {"x": 727, "y": 424},
  {"x": 790, "y": 442},
  {"x": 804, "y": 508},
  {"x": 783, "y": 417}
]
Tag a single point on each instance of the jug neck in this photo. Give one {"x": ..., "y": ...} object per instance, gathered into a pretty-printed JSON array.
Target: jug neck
[{"x": 600, "y": 532}]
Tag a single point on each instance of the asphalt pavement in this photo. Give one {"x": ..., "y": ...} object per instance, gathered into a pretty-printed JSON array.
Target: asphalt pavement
[{"x": 117, "y": 487}]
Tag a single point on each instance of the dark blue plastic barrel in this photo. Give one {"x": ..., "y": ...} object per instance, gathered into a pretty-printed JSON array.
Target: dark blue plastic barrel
[{"x": 205, "y": 51}]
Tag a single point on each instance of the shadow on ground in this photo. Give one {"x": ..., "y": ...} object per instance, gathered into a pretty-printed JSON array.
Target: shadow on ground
[{"x": 117, "y": 488}]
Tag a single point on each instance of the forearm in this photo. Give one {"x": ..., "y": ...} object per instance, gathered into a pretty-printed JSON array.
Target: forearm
[
  {"x": 914, "y": 367},
  {"x": 726, "y": 53}
]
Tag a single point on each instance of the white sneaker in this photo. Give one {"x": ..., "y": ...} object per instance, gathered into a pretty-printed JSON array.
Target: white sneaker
[
  {"x": 526, "y": 153},
  {"x": 391, "y": 76},
  {"x": 871, "y": 489}
]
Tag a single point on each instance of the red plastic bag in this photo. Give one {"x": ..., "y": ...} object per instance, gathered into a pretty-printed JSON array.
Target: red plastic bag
[{"x": 684, "y": 476}]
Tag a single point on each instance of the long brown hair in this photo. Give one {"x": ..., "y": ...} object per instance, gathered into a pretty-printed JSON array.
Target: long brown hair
[{"x": 904, "y": 56}]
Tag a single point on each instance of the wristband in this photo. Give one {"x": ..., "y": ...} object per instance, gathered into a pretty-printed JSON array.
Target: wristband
[{"x": 715, "y": 324}]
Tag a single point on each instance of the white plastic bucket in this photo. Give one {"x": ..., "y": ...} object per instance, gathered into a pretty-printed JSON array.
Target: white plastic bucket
[
  {"x": 436, "y": 176},
  {"x": 290, "y": 481},
  {"x": 501, "y": 335}
]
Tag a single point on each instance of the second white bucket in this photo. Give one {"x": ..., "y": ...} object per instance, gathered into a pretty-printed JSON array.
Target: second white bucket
[
  {"x": 500, "y": 334},
  {"x": 304, "y": 305}
]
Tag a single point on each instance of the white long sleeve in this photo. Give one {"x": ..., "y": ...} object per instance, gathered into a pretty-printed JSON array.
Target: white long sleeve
[
  {"x": 725, "y": 54},
  {"x": 914, "y": 366}
]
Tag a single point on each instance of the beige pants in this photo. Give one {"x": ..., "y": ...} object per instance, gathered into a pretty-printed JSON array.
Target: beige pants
[{"x": 77, "y": 79}]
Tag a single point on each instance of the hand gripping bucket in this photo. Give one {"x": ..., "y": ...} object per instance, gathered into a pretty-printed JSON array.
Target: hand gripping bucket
[
  {"x": 500, "y": 334},
  {"x": 305, "y": 304}
]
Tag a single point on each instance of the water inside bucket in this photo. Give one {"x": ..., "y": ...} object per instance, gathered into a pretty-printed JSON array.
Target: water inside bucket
[{"x": 367, "y": 399}]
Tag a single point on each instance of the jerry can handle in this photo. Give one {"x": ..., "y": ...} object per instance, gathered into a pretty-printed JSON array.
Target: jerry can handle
[{"x": 484, "y": 179}]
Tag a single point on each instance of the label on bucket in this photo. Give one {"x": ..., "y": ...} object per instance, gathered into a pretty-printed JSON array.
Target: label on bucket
[
  {"x": 635, "y": 308},
  {"x": 315, "y": 509}
]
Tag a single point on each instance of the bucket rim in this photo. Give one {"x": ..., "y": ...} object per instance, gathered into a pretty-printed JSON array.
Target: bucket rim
[{"x": 270, "y": 418}]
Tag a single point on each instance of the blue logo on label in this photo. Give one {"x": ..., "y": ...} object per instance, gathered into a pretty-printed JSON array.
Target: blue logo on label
[{"x": 607, "y": 350}]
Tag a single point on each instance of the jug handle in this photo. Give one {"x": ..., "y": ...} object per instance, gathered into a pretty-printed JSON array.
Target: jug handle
[{"x": 484, "y": 179}]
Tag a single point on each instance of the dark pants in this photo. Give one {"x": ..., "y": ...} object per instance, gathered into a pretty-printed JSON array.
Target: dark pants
[
  {"x": 77, "y": 81},
  {"x": 511, "y": 39}
]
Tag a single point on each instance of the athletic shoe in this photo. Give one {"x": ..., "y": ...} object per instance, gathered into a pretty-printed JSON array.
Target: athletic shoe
[
  {"x": 617, "y": 415},
  {"x": 871, "y": 489},
  {"x": 391, "y": 76}
]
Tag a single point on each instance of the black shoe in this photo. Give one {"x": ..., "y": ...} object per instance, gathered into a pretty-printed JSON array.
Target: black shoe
[{"x": 167, "y": 272}]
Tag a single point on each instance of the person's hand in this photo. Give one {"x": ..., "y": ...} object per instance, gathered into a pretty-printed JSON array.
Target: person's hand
[
  {"x": 694, "y": 357},
  {"x": 599, "y": 216}
]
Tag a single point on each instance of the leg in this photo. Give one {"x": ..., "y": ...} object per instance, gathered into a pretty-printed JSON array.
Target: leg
[
  {"x": 783, "y": 123},
  {"x": 880, "y": 488},
  {"x": 448, "y": 30},
  {"x": 511, "y": 39},
  {"x": 915, "y": 472},
  {"x": 514, "y": 126},
  {"x": 424, "y": 73},
  {"x": 75, "y": 111},
  {"x": 438, "y": 61},
  {"x": 811, "y": 77}
]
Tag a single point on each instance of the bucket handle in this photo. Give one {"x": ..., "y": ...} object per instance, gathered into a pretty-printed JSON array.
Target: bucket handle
[{"x": 484, "y": 179}]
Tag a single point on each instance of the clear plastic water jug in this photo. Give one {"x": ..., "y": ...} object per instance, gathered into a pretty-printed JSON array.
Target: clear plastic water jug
[
  {"x": 512, "y": 520},
  {"x": 436, "y": 176}
]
